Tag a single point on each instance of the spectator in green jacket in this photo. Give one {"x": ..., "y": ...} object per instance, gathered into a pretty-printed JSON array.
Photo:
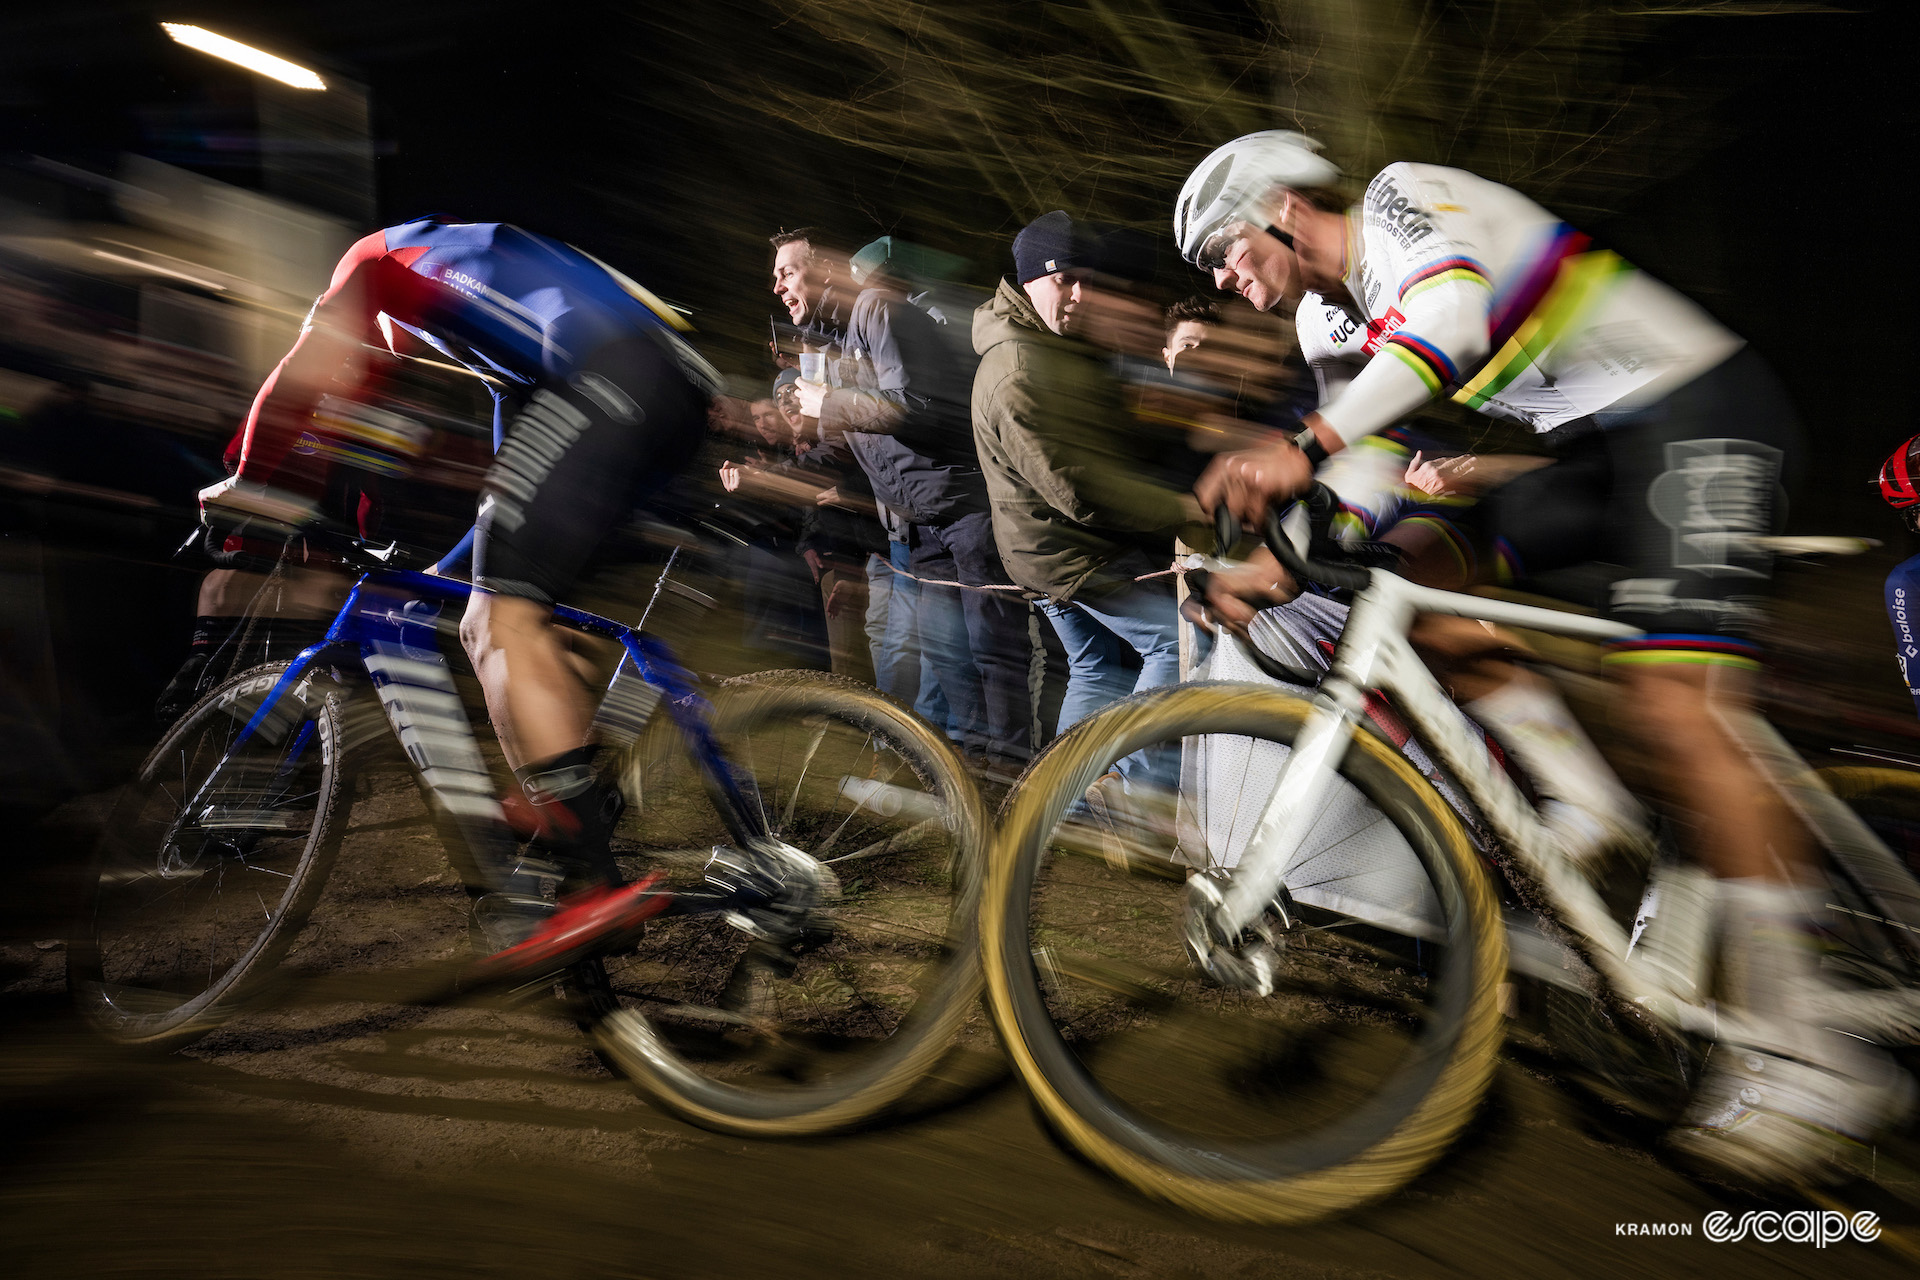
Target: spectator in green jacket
[{"x": 1078, "y": 512}]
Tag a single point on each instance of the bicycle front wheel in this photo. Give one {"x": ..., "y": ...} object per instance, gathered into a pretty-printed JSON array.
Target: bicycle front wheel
[
  {"x": 736, "y": 1037},
  {"x": 210, "y": 862},
  {"x": 1869, "y": 937},
  {"x": 1335, "y": 1080}
]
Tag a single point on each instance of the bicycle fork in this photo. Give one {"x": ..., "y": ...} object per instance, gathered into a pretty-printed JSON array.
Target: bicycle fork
[{"x": 1220, "y": 916}]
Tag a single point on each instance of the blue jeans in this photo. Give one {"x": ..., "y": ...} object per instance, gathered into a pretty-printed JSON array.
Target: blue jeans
[
  {"x": 979, "y": 639},
  {"x": 1100, "y": 633},
  {"x": 908, "y": 673},
  {"x": 893, "y": 672}
]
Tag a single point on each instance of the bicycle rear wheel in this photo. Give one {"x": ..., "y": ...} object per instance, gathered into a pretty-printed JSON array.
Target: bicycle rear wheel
[
  {"x": 209, "y": 863},
  {"x": 1378, "y": 1035},
  {"x": 723, "y": 1032}
]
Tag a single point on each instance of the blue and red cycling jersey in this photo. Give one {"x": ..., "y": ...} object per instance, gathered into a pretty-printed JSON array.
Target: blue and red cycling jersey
[
  {"x": 1903, "y": 611},
  {"x": 509, "y": 304}
]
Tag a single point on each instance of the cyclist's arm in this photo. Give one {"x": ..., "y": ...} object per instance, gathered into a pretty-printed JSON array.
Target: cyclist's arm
[
  {"x": 456, "y": 563},
  {"x": 1439, "y": 305},
  {"x": 329, "y": 343}
]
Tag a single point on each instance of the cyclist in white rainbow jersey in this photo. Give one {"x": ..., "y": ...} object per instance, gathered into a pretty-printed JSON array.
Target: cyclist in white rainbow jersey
[{"x": 1672, "y": 441}]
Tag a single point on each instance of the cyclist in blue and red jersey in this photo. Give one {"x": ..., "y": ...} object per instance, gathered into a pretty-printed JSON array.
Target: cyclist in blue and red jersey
[
  {"x": 601, "y": 401},
  {"x": 1900, "y": 486}
]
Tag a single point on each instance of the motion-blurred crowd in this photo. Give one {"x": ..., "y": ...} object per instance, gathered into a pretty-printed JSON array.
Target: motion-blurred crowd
[
  {"x": 970, "y": 499},
  {"x": 987, "y": 490}
]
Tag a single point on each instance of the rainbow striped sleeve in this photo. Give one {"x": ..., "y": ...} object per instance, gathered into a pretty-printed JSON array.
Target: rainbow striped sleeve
[
  {"x": 1434, "y": 366},
  {"x": 1435, "y": 274}
]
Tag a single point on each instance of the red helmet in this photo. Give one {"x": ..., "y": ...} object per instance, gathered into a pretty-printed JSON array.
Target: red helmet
[{"x": 1900, "y": 474}]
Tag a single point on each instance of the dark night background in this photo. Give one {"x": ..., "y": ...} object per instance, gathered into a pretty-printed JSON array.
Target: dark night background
[
  {"x": 600, "y": 124},
  {"x": 476, "y": 1141},
  {"x": 620, "y": 127}
]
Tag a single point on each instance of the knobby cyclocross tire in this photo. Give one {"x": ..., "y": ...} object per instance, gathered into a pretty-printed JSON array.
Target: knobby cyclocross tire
[
  {"x": 927, "y": 1010},
  {"x": 1330, "y": 1168},
  {"x": 209, "y": 863}
]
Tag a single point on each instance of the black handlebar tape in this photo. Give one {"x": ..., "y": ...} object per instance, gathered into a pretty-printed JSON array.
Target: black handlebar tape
[
  {"x": 1226, "y": 531},
  {"x": 1321, "y": 506}
]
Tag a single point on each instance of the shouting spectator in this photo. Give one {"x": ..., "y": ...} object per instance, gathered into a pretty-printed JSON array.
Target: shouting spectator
[{"x": 898, "y": 398}]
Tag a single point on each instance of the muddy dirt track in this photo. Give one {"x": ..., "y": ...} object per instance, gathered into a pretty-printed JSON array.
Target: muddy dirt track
[
  {"x": 334, "y": 1136},
  {"x": 330, "y": 1136},
  {"x": 357, "y": 1141}
]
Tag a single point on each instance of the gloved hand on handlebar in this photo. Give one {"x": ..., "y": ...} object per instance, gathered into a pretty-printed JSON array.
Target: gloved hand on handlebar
[
  {"x": 1277, "y": 572},
  {"x": 1246, "y": 482},
  {"x": 1230, "y": 598},
  {"x": 235, "y": 506}
]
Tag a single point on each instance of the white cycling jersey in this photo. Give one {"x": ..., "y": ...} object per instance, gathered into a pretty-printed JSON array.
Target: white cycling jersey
[{"x": 1474, "y": 290}]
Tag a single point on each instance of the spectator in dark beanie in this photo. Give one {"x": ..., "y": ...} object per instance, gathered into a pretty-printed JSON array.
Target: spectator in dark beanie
[{"x": 1076, "y": 511}]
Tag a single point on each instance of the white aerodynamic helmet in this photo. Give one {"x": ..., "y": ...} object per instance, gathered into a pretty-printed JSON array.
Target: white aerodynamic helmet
[{"x": 1230, "y": 184}]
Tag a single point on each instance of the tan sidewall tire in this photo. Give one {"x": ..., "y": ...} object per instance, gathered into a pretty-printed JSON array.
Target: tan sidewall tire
[
  {"x": 243, "y": 981},
  {"x": 1318, "y": 1193}
]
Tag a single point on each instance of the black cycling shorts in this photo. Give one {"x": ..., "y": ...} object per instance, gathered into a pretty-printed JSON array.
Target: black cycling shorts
[
  {"x": 581, "y": 452},
  {"x": 1674, "y": 493}
]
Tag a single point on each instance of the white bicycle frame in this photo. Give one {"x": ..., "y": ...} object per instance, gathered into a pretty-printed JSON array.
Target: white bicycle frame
[{"x": 1375, "y": 653}]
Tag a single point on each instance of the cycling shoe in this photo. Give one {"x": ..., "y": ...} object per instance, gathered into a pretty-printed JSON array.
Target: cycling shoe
[
  {"x": 572, "y": 930},
  {"x": 498, "y": 921},
  {"x": 1770, "y": 1121}
]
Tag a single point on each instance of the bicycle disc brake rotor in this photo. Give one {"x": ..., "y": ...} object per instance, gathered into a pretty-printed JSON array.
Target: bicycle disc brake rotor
[{"x": 1247, "y": 960}]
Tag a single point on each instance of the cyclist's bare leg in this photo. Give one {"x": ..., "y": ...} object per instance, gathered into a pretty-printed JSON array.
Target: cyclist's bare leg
[
  {"x": 531, "y": 677},
  {"x": 1739, "y": 826},
  {"x": 1428, "y": 557},
  {"x": 287, "y": 612},
  {"x": 1787, "y": 1098},
  {"x": 1585, "y": 807}
]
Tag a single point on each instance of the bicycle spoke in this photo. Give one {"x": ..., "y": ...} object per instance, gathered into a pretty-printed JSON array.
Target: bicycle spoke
[
  {"x": 786, "y": 819},
  {"x": 889, "y": 842}
]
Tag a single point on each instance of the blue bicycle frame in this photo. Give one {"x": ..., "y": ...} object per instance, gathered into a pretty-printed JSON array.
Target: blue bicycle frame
[{"x": 389, "y": 628}]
